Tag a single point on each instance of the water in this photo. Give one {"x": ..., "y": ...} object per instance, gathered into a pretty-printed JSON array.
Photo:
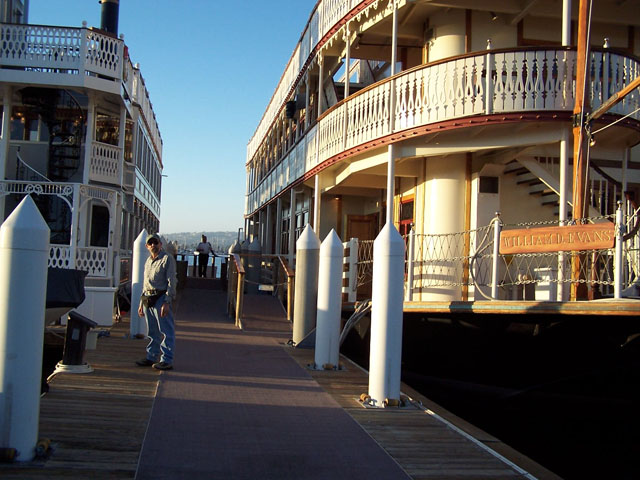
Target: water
[{"x": 219, "y": 260}]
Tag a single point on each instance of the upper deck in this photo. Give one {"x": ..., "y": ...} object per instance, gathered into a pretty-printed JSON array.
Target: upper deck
[
  {"x": 71, "y": 57},
  {"x": 495, "y": 76}
]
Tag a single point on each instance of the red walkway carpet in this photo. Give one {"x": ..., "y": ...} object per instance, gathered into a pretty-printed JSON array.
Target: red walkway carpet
[{"x": 237, "y": 406}]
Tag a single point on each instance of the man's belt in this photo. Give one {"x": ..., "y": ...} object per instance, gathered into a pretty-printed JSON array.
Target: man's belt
[{"x": 151, "y": 293}]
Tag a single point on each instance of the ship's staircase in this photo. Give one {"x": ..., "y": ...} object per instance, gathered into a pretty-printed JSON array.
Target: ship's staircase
[
  {"x": 364, "y": 72},
  {"x": 541, "y": 176},
  {"x": 65, "y": 121}
]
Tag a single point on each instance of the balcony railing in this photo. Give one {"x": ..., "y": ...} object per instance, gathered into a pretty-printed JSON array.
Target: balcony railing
[
  {"x": 326, "y": 15},
  {"x": 96, "y": 261},
  {"x": 523, "y": 80},
  {"x": 52, "y": 49},
  {"x": 106, "y": 163}
]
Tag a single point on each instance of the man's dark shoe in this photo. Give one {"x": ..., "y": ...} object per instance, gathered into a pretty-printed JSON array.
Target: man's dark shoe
[
  {"x": 145, "y": 362},
  {"x": 163, "y": 366}
]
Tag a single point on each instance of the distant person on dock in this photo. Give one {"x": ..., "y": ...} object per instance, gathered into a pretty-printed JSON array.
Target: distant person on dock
[
  {"x": 204, "y": 248},
  {"x": 158, "y": 291}
]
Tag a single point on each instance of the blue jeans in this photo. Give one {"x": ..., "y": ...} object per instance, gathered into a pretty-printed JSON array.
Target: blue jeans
[{"x": 161, "y": 333}]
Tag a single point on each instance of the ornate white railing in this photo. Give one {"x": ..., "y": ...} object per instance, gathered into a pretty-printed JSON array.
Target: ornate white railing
[
  {"x": 326, "y": 15},
  {"x": 94, "y": 260},
  {"x": 61, "y": 50},
  {"x": 60, "y": 256},
  {"x": 519, "y": 81},
  {"x": 106, "y": 163}
]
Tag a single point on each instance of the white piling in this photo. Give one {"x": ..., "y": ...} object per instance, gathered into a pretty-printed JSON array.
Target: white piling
[
  {"x": 139, "y": 256},
  {"x": 24, "y": 254},
  {"x": 306, "y": 286},
  {"x": 329, "y": 302},
  {"x": 386, "y": 317}
]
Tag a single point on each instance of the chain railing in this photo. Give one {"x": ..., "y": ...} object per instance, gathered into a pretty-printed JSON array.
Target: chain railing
[{"x": 461, "y": 264}]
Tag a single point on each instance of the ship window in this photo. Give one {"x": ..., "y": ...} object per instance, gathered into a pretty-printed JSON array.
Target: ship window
[
  {"x": 107, "y": 129},
  {"x": 489, "y": 185},
  {"x": 406, "y": 211},
  {"x": 17, "y": 127}
]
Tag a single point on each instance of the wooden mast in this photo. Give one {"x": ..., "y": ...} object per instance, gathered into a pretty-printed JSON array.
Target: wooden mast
[{"x": 580, "y": 165}]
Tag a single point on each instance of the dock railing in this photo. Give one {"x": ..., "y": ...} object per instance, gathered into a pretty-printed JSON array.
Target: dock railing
[{"x": 235, "y": 290}]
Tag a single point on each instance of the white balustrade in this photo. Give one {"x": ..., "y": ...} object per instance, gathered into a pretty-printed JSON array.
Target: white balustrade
[
  {"x": 61, "y": 50},
  {"x": 94, "y": 260},
  {"x": 60, "y": 256},
  {"x": 520, "y": 81},
  {"x": 104, "y": 54},
  {"x": 105, "y": 163}
]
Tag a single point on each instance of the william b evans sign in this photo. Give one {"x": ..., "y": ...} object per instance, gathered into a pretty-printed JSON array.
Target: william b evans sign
[{"x": 555, "y": 239}]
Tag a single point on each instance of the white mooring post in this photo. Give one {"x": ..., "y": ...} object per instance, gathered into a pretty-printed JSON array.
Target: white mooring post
[
  {"x": 140, "y": 254},
  {"x": 306, "y": 286},
  {"x": 327, "y": 352},
  {"x": 386, "y": 317},
  {"x": 24, "y": 254}
]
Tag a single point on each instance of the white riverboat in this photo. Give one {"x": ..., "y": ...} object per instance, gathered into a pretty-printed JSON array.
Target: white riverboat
[
  {"x": 472, "y": 104},
  {"x": 80, "y": 136}
]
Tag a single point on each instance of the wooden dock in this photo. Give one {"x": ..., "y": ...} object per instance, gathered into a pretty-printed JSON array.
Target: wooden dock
[{"x": 97, "y": 421}]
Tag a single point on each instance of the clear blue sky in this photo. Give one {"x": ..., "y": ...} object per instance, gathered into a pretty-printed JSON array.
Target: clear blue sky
[{"x": 211, "y": 67}]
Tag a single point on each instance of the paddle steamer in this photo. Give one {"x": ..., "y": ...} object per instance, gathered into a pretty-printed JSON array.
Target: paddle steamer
[
  {"x": 475, "y": 104},
  {"x": 80, "y": 135}
]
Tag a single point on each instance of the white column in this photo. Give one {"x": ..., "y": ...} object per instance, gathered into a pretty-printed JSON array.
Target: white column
[
  {"x": 392, "y": 107},
  {"x": 618, "y": 276},
  {"x": 88, "y": 139},
  {"x": 292, "y": 227},
  {"x": 564, "y": 167},
  {"x": 317, "y": 198},
  {"x": 497, "y": 228},
  {"x": 138, "y": 258},
  {"x": 307, "y": 93},
  {"x": 268, "y": 229},
  {"x": 121, "y": 138},
  {"x": 278, "y": 226},
  {"x": 562, "y": 214},
  {"x": 566, "y": 23},
  {"x": 320, "y": 83},
  {"x": 5, "y": 139},
  {"x": 24, "y": 254},
  {"x": 327, "y": 351},
  {"x": 75, "y": 218},
  {"x": 347, "y": 59}
]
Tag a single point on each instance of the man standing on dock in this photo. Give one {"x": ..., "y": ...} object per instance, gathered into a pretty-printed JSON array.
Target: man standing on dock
[
  {"x": 204, "y": 248},
  {"x": 158, "y": 290}
]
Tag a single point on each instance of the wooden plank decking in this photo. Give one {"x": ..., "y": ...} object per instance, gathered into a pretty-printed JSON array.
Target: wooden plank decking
[
  {"x": 424, "y": 439},
  {"x": 97, "y": 422}
]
